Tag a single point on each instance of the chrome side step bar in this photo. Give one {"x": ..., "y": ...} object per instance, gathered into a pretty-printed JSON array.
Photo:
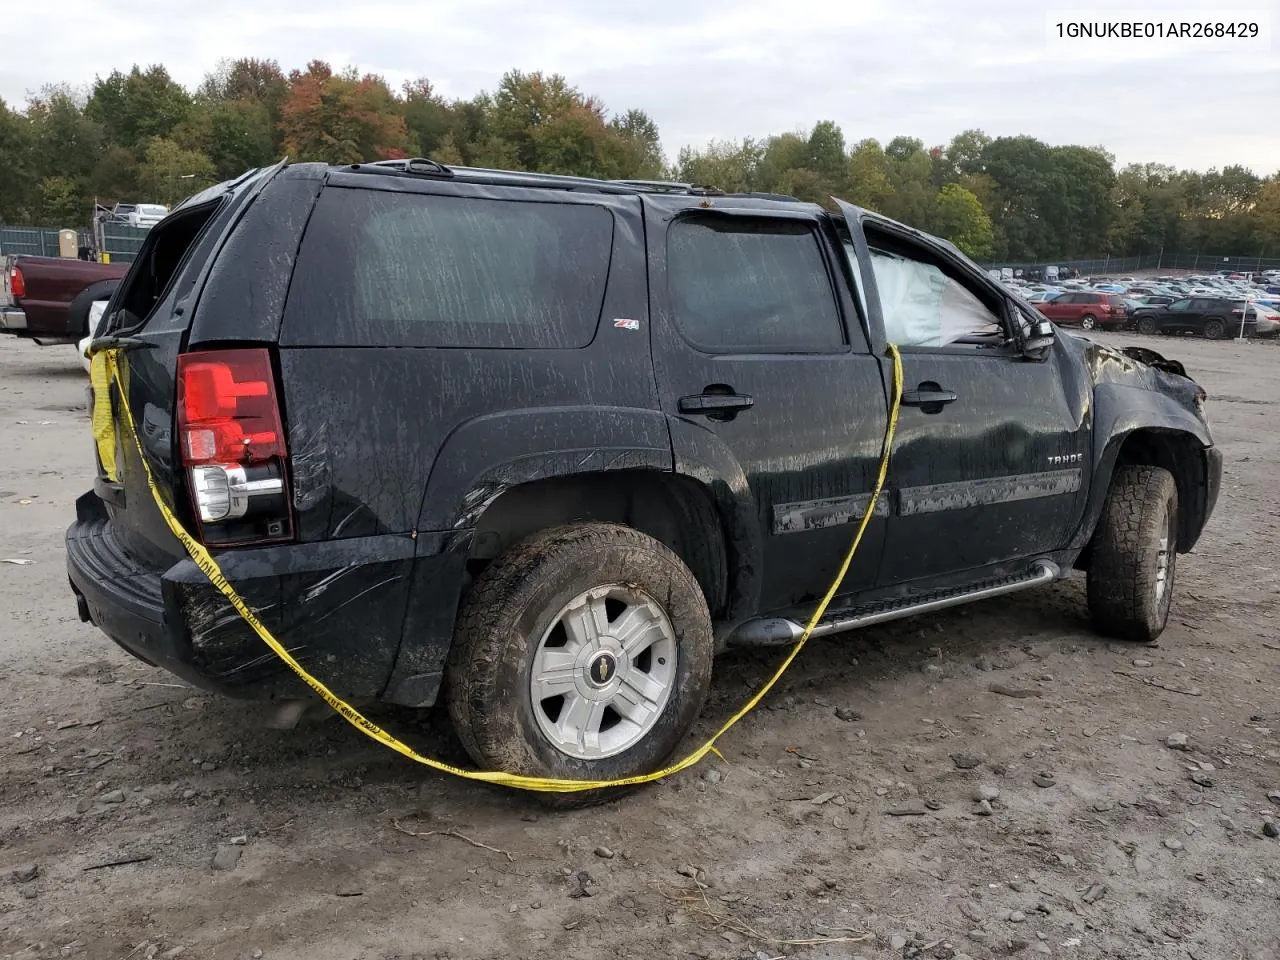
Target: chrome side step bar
[{"x": 777, "y": 631}]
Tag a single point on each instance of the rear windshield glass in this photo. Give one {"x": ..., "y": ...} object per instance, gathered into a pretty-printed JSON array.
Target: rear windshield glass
[{"x": 379, "y": 268}]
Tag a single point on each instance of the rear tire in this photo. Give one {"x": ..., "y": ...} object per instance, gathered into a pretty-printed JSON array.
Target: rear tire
[
  {"x": 1214, "y": 329},
  {"x": 538, "y": 683},
  {"x": 1134, "y": 555},
  {"x": 1147, "y": 326}
]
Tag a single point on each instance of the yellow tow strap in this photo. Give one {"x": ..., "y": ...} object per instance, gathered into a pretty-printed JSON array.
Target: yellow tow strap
[
  {"x": 107, "y": 368},
  {"x": 103, "y": 369}
]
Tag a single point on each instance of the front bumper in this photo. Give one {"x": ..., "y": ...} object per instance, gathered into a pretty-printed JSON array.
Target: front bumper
[{"x": 337, "y": 606}]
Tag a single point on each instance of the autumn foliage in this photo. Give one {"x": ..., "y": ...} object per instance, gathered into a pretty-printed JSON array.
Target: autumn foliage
[
  {"x": 341, "y": 117},
  {"x": 140, "y": 136}
]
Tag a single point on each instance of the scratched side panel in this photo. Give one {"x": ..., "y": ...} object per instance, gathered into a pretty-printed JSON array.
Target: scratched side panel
[{"x": 338, "y": 609}]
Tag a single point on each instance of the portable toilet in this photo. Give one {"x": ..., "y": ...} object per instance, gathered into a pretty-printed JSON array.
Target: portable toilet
[{"x": 68, "y": 244}]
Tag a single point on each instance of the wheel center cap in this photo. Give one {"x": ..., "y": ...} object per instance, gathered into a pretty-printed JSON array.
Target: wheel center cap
[{"x": 602, "y": 668}]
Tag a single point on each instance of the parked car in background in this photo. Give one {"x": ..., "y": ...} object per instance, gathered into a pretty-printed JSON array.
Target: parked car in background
[
  {"x": 147, "y": 214},
  {"x": 53, "y": 296},
  {"x": 1267, "y": 321},
  {"x": 1087, "y": 310},
  {"x": 137, "y": 214},
  {"x": 1210, "y": 317}
]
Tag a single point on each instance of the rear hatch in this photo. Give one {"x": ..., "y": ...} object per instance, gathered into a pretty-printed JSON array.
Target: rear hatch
[{"x": 148, "y": 319}]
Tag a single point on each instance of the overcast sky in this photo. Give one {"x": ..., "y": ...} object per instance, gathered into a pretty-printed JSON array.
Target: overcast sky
[{"x": 707, "y": 69}]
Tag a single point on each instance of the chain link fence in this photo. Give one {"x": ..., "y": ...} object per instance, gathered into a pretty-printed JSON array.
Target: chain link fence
[
  {"x": 1194, "y": 262},
  {"x": 122, "y": 241},
  {"x": 119, "y": 241}
]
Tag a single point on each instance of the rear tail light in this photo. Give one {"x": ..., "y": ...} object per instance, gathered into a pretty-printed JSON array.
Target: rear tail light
[
  {"x": 231, "y": 438},
  {"x": 17, "y": 284}
]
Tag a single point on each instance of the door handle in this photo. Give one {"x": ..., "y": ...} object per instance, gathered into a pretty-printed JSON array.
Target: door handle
[
  {"x": 716, "y": 403},
  {"x": 930, "y": 396}
]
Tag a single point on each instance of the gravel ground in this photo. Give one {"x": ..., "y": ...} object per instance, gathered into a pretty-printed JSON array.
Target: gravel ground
[{"x": 1127, "y": 811}]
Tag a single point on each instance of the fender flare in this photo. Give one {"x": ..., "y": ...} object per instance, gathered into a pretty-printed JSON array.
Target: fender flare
[
  {"x": 78, "y": 311},
  {"x": 489, "y": 454},
  {"x": 1121, "y": 410},
  {"x": 701, "y": 455}
]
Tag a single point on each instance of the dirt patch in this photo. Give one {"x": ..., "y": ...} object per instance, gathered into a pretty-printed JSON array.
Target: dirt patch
[{"x": 994, "y": 781}]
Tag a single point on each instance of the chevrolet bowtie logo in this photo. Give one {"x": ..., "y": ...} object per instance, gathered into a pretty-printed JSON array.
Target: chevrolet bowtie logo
[{"x": 602, "y": 668}]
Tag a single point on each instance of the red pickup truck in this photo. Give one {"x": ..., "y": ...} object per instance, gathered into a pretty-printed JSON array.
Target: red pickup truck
[{"x": 52, "y": 296}]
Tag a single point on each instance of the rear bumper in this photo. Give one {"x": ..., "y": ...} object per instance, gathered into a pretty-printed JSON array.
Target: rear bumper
[
  {"x": 338, "y": 607},
  {"x": 12, "y": 320},
  {"x": 120, "y": 597}
]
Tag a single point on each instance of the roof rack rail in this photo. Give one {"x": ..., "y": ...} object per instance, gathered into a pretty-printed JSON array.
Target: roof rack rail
[
  {"x": 671, "y": 186},
  {"x": 433, "y": 168},
  {"x": 414, "y": 165}
]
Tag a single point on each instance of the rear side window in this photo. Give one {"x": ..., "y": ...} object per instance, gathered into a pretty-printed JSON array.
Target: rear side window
[
  {"x": 395, "y": 269},
  {"x": 1116, "y": 301},
  {"x": 159, "y": 262},
  {"x": 744, "y": 284}
]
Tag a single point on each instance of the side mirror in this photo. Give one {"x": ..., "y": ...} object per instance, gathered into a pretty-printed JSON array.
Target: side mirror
[{"x": 1039, "y": 335}]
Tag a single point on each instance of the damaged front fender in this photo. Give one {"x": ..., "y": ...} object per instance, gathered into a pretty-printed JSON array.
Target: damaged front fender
[{"x": 1156, "y": 360}]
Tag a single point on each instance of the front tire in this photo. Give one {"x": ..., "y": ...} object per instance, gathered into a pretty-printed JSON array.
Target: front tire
[
  {"x": 582, "y": 653},
  {"x": 1134, "y": 555}
]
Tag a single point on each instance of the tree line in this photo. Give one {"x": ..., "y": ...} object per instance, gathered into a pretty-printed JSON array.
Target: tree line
[{"x": 142, "y": 137}]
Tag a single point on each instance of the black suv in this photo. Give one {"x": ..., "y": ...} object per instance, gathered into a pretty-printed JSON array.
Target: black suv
[
  {"x": 1211, "y": 317},
  {"x": 547, "y": 444}
]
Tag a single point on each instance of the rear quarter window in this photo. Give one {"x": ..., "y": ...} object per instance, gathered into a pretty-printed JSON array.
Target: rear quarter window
[{"x": 380, "y": 268}]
